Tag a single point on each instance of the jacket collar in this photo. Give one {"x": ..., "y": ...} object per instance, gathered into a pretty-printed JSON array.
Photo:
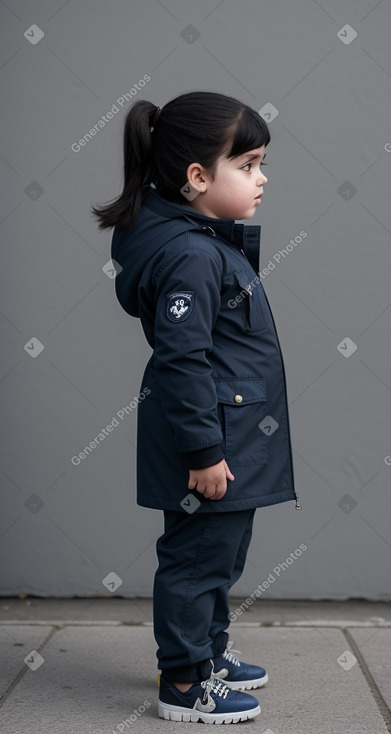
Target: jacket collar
[{"x": 244, "y": 236}]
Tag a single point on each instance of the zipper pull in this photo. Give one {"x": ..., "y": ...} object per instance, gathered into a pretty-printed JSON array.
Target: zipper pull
[
  {"x": 297, "y": 505},
  {"x": 244, "y": 254}
]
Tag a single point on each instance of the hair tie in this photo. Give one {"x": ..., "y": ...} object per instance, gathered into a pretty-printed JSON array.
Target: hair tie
[{"x": 156, "y": 117}]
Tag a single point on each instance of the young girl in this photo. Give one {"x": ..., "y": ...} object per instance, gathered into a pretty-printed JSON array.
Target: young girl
[{"x": 213, "y": 438}]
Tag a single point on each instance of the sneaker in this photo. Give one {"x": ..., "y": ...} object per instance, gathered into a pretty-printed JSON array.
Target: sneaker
[
  {"x": 210, "y": 701},
  {"x": 238, "y": 675}
]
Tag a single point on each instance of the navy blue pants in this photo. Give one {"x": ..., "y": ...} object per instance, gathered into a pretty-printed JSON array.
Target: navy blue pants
[{"x": 200, "y": 557}]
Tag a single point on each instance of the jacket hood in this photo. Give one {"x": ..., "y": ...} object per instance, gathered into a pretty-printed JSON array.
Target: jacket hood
[{"x": 133, "y": 249}]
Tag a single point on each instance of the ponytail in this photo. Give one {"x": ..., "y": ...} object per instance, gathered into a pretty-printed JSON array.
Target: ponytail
[
  {"x": 194, "y": 127},
  {"x": 137, "y": 152}
]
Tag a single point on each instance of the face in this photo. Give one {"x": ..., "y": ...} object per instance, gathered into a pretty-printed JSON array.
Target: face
[{"x": 232, "y": 193}]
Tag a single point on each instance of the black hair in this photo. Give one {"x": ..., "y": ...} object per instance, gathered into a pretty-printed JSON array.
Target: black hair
[{"x": 197, "y": 127}]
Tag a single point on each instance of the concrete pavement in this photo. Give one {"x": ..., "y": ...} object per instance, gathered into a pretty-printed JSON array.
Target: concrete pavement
[{"x": 81, "y": 666}]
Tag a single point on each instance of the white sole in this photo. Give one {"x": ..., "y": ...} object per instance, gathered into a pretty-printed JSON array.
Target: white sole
[
  {"x": 180, "y": 713},
  {"x": 246, "y": 685}
]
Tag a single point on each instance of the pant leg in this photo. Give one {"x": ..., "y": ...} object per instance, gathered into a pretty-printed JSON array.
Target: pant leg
[
  {"x": 221, "y": 620},
  {"x": 197, "y": 555}
]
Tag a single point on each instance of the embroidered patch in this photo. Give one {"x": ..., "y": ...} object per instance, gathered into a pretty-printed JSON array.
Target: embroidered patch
[{"x": 180, "y": 305}]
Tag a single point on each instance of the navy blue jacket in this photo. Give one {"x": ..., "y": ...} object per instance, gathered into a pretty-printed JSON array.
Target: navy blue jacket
[{"x": 214, "y": 386}]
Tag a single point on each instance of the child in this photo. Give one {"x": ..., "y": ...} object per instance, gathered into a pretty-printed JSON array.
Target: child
[{"x": 213, "y": 438}]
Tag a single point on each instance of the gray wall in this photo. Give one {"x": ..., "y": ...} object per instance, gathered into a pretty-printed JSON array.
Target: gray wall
[{"x": 63, "y": 527}]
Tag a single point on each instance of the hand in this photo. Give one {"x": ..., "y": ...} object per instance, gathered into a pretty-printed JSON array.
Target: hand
[{"x": 211, "y": 481}]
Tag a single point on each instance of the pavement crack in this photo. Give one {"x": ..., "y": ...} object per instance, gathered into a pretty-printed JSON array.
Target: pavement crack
[
  {"x": 24, "y": 670},
  {"x": 372, "y": 685}
]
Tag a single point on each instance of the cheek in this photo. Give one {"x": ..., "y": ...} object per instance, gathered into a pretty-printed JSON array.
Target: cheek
[
  {"x": 244, "y": 186},
  {"x": 240, "y": 182},
  {"x": 245, "y": 180}
]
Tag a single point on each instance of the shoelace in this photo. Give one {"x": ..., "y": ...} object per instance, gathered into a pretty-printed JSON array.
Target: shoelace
[
  {"x": 231, "y": 658},
  {"x": 228, "y": 653},
  {"x": 230, "y": 648},
  {"x": 215, "y": 685}
]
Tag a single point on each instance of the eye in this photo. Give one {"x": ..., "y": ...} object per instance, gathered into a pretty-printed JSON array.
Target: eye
[{"x": 249, "y": 164}]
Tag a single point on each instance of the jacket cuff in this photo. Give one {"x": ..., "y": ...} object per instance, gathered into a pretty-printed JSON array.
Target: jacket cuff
[{"x": 204, "y": 457}]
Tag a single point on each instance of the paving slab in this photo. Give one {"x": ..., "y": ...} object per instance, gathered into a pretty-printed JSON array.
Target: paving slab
[
  {"x": 91, "y": 679},
  {"x": 15, "y": 644},
  {"x": 95, "y": 678},
  {"x": 375, "y": 647},
  {"x": 308, "y": 690}
]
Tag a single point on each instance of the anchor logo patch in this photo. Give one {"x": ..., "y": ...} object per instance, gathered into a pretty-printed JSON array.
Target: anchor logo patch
[{"x": 180, "y": 305}]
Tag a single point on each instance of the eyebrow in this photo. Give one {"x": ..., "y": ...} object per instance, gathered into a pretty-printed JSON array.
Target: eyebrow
[{"x": 251, "y": 157}]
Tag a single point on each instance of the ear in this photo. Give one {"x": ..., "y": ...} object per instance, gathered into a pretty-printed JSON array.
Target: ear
[{"x": 197, "y": 176}]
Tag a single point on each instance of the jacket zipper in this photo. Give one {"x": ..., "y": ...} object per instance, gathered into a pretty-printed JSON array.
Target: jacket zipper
[{"x": 297, "y": 501}]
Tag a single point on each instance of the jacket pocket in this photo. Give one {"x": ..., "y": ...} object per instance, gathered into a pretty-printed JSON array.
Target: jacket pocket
[
  {"x": 241, "y": 406},
  {"x": 251, "y": 303}
]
